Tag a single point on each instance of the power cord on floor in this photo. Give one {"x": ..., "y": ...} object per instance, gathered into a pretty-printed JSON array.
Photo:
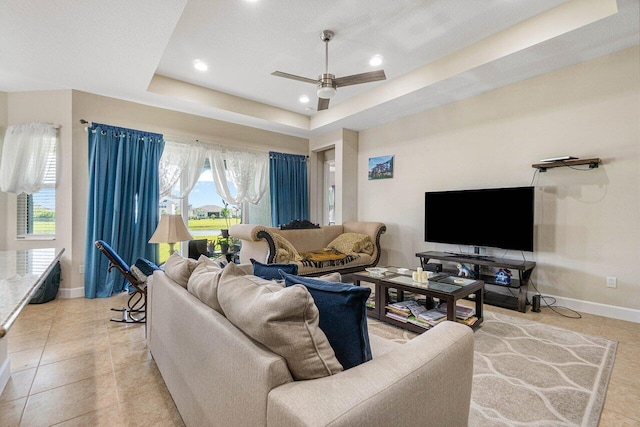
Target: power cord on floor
[{"x": 552, "y": 304}]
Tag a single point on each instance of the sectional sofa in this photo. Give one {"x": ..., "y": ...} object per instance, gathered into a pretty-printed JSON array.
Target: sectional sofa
[{"x": 218, "y": 376}]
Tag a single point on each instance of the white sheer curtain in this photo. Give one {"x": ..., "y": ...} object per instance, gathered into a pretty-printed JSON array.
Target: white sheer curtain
[
  {"x": 249, "y": 173},
  {"x": 180, "y": 160},
  {"x": 26, "y": 152}
]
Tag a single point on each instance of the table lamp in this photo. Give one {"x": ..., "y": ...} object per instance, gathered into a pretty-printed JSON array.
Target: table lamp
[{"x": 171, "y": 229}]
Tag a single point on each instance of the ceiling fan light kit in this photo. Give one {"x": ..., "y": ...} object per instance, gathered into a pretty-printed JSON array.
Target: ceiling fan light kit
[{"x": 328, "y": 83}]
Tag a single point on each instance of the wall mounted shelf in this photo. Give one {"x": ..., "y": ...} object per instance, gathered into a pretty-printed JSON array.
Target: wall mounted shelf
[{"x": 542, "y": 167}]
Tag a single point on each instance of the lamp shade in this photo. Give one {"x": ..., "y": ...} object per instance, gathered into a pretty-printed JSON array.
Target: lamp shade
[{"x": 171, "y": 229}]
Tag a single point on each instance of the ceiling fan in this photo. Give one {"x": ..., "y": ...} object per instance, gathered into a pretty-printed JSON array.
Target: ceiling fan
[{"x": 328, "y": 83}]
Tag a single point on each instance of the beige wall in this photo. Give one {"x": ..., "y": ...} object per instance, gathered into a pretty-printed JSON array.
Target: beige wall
[
  {"x": 587, "y": 223},
  {"x": 3, "y": 196},
  {"x": 66, "y": 108},
  {"x": 344, "y": 142}
]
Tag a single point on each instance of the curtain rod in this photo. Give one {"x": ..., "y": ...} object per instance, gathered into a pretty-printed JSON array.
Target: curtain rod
[{"x": 182, "y": 140}]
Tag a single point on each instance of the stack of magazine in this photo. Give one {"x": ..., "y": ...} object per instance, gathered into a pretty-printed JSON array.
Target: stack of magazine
[
  {"x": 466, "y": 315},
  {"x": 412, "y": 312}
]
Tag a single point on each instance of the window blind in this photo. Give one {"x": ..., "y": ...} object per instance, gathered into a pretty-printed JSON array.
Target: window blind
[{"x": 36, "y": 213}]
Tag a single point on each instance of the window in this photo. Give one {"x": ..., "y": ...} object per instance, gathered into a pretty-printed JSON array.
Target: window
[
  {"x": 36, "y": 213},
  {"x": 208, "y": 213}
]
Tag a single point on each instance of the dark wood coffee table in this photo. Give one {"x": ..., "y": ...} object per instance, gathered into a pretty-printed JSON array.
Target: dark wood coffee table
[{"x": 444, "y": 288}]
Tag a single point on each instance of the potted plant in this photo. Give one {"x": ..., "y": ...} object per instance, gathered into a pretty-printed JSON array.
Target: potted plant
[{"x": 225, "y": 213}]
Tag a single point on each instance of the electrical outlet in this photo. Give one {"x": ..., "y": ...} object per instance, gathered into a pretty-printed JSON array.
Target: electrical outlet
[
  {"x": 612, "y": 282},
  {"x": 81, "y": 268}
]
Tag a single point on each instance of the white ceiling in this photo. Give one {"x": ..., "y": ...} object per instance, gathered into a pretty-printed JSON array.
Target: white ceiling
[{"x": 435, "y": 52}]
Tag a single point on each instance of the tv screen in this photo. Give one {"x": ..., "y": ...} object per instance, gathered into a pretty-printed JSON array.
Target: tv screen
[{"x": 492, "y": 217}]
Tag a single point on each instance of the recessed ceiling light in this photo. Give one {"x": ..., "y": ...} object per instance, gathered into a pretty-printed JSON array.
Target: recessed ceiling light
[
  {"x": 309, "y": 108},
  {"x": 199, "y": 65},
  {"x": 304, "y": 99},
  {"x": 375, "y": 60}
]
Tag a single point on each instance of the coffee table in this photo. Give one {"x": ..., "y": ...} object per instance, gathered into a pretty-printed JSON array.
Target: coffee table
[{"x": 444, "y": 288}]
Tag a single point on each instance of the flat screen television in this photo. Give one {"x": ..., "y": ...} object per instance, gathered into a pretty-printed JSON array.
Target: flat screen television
[{"x": 491, "y": 217}]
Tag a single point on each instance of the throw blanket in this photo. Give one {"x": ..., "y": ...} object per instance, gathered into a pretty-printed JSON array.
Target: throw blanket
[{"x": 326, "y": 258}]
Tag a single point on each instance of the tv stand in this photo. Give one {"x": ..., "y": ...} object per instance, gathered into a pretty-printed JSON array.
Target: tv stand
[{"x": 521, "y": 282}]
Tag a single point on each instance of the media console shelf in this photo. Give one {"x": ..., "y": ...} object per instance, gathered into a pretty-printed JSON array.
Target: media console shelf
[{"x": 521, "y": 282}]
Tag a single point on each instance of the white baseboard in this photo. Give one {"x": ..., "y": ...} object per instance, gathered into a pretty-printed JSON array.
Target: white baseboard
[
  {"x": 5, "y": 368},
  {"x": 71, "y": 292},
  {"x": 615, "y": 312}
]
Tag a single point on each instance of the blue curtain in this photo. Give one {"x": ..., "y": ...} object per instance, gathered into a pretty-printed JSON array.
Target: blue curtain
[
  {"x": 289, "y": 191},
  {"x": 122, "y": 206}
]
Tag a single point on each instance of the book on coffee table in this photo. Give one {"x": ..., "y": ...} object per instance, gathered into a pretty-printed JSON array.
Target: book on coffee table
[{"x": 462, "y": 312}]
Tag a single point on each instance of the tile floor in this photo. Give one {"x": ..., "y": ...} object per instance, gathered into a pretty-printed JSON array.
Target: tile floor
[{"x": 70, "y": 366}]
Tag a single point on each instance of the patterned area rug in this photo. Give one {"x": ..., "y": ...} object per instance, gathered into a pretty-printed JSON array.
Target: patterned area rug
[{"x": 530, "y": 374}]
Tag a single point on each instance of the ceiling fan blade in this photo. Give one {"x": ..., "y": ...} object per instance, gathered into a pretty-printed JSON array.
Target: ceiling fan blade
[
  {"x": 355, "y": 79},
  {"x": 323, "y": 104},
  {"x": 294, "y": 77}
]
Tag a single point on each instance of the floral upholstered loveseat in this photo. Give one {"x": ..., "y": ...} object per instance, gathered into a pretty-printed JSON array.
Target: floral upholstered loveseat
[{"x": 347, "y": 248}]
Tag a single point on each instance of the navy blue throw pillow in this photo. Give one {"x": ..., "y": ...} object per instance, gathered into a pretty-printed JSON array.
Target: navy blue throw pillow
[
  {"x": 343, "y": 317},
  {"x": 270, "y": 271},
  {"x": 146, "y": 267}
]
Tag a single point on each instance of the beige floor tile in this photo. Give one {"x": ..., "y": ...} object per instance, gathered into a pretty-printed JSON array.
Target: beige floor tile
[
  {"x": 623, "y": 399},
  {"x": 61, "y": 332},
  {"x": 627, "y": 364},
  {"x": 36, "y": 311},
  {"x": 25, "y": 359},
  {"x": 621, "y": 334},
  {"x": 74, "y": 318},
  {"x": 29, "y": 326},
  {"x": 107, "y": 417},
  {"x": 18, "y": 385},
  {"x": 70, "y": 401},
  {"x": 27, "y": 341},
  {"x": 65, "y": 350},
  {"x": 127, "y": 335},
  {"x": 613, "y": 419},
  {"x": 138, "y": 376},
  {"x": 151, "y": 406},
  {"x": 125, "y": 354},
  {"x": 622, "y": 324},
  {"x": 10, "y": 412},
  {"x": 71, "y": 370}
]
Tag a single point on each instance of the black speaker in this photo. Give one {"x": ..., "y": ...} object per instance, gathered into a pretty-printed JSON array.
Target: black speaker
[{"x": 535, "y": 304}]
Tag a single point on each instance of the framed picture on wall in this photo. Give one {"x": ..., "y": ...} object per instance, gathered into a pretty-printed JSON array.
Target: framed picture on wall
[{"x": 381, "y": 167}]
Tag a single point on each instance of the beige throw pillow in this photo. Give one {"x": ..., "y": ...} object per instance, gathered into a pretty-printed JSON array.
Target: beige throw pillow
[
  {"x": 331, "y": 277},
  {"x": 352, "y": 243},
  {"x": 203, "y": 283},
  {"x": 285, "y": 252},
  {"x": 179, "y": 269},
  {"x": 285, "y": 320}
]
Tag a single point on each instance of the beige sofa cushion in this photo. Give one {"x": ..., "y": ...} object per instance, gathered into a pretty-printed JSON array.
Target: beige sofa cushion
[
  {"x": 179, "y": 268},
  {"x": 203, "y": 283},
  {"x": 352, "y": 243},
  {"x": 285, "y": 320}
]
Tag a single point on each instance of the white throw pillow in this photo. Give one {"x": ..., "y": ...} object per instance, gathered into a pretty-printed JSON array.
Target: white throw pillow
[{"x": 179, "y": 269}]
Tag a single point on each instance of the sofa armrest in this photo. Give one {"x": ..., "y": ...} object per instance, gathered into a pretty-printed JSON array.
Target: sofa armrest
[
  {"x": 257, "y": 242},
  {"x": 425, "y": 382},
  {"x": 372, "y": 229}
]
